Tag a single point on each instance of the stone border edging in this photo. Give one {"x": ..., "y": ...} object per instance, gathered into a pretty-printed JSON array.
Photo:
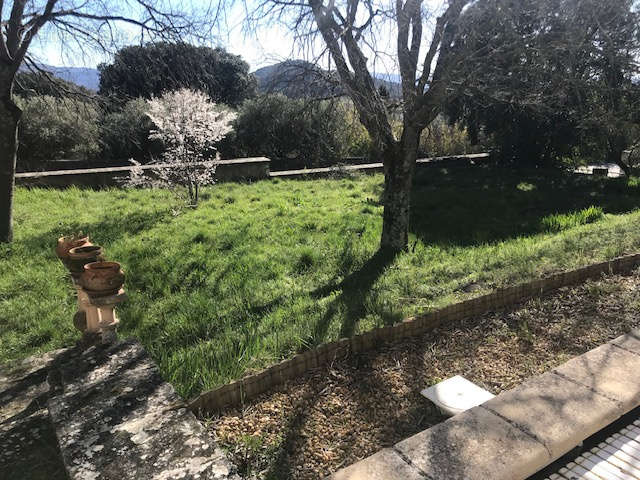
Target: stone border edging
[
  {"x": 241, "y": 390},
  {"x": 521, "y": 431}
]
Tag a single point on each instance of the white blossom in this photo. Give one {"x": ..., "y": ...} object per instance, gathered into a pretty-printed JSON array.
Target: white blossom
[{"x": 189, "y": 125}]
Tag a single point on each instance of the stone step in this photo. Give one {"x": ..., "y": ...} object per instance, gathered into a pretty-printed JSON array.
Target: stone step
[{"x": 116, "y": 419}]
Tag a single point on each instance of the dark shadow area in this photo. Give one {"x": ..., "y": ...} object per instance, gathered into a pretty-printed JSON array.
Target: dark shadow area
[
  {"x": 486, "y": 203},
  {"x": 284, "y": 465},
  {"x": 29, "y": 444}
]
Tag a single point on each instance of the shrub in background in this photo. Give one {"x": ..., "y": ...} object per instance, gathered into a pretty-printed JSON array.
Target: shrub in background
[
  {"x": 57, "y": 128},
  {"x": 125, "y": 133},
  {"x": 351, "y": 133},
  {"x": 442, "y": 139},
  {"x": 294, "y": 133}
]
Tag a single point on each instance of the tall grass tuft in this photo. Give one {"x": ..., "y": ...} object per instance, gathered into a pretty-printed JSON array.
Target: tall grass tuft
[{"x": 563, "y": 221}]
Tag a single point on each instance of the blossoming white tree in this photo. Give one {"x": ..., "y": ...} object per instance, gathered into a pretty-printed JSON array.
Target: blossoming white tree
[{"x": 189, "y": 125}]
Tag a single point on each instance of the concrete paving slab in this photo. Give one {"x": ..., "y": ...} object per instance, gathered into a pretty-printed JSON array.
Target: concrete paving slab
[
  {"x": 384, "y": 465},
  {"x": 475, "y": 445},
  {"x": 609, "y": 371},
  {"x": 557, "y": 412},
  {"x": 629, "y": 342}
]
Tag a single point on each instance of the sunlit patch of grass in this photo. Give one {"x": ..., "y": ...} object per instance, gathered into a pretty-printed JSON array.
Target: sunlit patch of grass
[
  {"x": 563, "y": 221},
  {"x": 525, "y": 186}
]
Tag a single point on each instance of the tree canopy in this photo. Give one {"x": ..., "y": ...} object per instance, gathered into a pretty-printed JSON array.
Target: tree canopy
[
  {"x": 562, "y": 78},
  {"x": 155, "y": 68}
]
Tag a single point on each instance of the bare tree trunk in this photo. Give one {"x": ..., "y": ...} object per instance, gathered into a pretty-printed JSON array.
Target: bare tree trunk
[
  {"x": 399, "y": 164},
  {"x": 9, "y": 119}
]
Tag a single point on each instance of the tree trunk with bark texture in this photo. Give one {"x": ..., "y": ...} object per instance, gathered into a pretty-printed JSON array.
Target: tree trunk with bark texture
[
  {"x": 399, "y": 164},
  {"x": 10, "y": 115}
]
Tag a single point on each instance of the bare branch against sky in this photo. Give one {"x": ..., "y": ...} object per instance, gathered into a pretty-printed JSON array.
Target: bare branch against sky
[
  {"x": 85, "y": 32},
  {"x": 240, "y": 27}
]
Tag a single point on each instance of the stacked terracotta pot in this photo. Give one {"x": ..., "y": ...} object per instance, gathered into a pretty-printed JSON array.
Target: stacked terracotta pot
[{"x": 88, "y": 267}]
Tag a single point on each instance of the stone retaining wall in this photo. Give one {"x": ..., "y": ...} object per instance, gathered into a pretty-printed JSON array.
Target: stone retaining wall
[
  {"x": 227, "y": 170},
  {"x": 239, "y": 391},
  {"x": 451, "y": 161},
  {"x": 238, "y": 169},
  {"x": 115, "y": 418}
]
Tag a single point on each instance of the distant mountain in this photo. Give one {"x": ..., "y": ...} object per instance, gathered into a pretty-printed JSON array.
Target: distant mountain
[
  {"x": 293, "y": 78},
  {"x": 298, "y": 79},
  {"x": 85, "y": 77}
]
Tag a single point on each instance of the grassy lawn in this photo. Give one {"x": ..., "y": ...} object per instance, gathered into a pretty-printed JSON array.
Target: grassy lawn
[{"x": 261, "y": 271}]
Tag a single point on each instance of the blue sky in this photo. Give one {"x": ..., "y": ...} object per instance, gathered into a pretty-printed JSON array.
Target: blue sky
[
  {"x": 263, "y": 47},
  {"x": 266, "y": 46}
]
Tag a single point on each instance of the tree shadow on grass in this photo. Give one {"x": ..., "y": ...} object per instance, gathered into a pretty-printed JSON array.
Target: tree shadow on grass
[{"x": 351, "y": 299}]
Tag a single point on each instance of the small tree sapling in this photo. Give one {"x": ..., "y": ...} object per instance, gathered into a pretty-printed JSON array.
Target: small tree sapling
[{"x": 189, "y": 125}]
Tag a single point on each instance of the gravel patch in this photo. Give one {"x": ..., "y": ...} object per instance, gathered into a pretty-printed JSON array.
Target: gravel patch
[{"x": 336, "y": 415}]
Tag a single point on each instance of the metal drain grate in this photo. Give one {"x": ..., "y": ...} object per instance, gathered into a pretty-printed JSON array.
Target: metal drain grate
[{"x": 617, "y": 458}]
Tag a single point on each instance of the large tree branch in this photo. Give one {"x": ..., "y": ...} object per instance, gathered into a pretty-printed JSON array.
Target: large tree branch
[
  {"x": 14, "y": 27},
  {"x": 429, "y": 102},
  {"x": 4, "y": 51},
  {"x": 358, "y": 82},
  {"x": 30, "y": 34},
  {"x": 408, "y": 18}
]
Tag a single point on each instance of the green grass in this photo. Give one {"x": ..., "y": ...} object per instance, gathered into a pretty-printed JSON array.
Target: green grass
[
  {"x": 563, "y": 221},
  {"x": 261, "y": 271}
]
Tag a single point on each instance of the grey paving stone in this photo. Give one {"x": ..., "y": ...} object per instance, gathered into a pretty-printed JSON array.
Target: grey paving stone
[
  {"x": 630, "y": 341},
  {"x": 474, "y": 445},
  {"x": 116, "y": 419},
  {"x": 610, "y": 371},
  {"x": 384, "y": 465},
  {"x": 557, "y": 412}
]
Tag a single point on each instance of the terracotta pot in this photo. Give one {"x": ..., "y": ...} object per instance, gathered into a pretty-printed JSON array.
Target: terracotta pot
[
  {"x": 80, "y": 256},
  {"x": 67, "y": 243},
  {"x": 102, "y": 278}
]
